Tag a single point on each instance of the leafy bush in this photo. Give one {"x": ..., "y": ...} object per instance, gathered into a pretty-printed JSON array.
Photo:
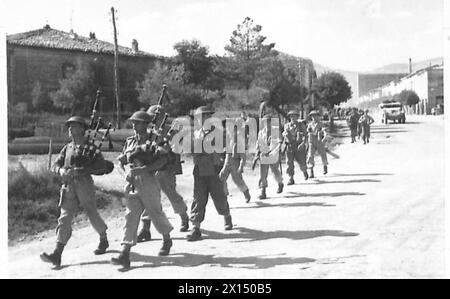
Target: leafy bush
[{"x": 32, "y": 200}]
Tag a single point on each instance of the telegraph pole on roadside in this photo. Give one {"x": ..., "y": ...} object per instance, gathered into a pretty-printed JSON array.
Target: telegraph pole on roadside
[{"x": 116, "y": 70}]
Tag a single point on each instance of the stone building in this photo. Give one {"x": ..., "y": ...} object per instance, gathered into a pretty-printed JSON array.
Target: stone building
[
  {"x": 45, "y": 56},
  {"x": 428, "y": 83},
  {"x": 367, "y": 82}
]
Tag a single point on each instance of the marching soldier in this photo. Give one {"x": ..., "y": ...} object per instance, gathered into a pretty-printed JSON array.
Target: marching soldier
[
  {"x": 142, "y": 191},
  {"x": 234, "y": 165},
  {"x": 167, "y": 180},
  {"x": 316, "y": 138},
  {"x": 295, "y": 138},
  {"x": 365, "y": 121},
  {"x": 274, "y": 144},
  {"x": 352, "y": 122},
  {"x": 78, "y": 189},
  {"x": 207, "y": 167}
]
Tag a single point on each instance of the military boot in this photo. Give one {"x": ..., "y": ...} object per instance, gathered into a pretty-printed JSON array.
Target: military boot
[
  {"x": 122, "y": 260},
  {"x": 102, "y": 246},
  {"x": 54, "y": 257},
  {"x": 195, "y": 235},
  {"x": 228, "y": 222},
  {"x": 291, "y": 181},
  {"x": 280, "y": 188},
  {"x": 144, "y": 235},
  {"x": 165, "y": 249},
  {"x": 247, "y": 196},
  {"x": 325, "y": 169},
  {"x": 263, "y": 194},
  {"x": 184, "y": 223},
  {"x": 305, "y": 175},
  {"x": 312, "y": 173}
]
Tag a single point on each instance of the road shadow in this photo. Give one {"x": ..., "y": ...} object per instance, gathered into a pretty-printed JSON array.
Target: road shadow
[
  {"x": 331, "y": 194},
  {"x": 244, "y": 234},
  {"x": 195, "y": 260},
  {"x": 359, "y": 174},
  {"x": 261, "y": 204},
  {"x": 386, "y": 131},
  {"x": 319, "y": 182}
]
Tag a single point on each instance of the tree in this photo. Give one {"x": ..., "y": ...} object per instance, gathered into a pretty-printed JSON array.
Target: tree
[
  {"x": 39, "y": 99},
  {"x": 76, "y": 91},
  {"x": 196, "y": 61},
  {"x": 183, "y": 97},
  {"x": 281, "y": 81},
  {"x": 408, "y": 97},
  {"x": 247, "y": 50},
  {"x": 332, "y": 89}
]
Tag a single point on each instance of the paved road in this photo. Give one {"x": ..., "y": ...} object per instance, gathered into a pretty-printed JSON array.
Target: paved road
[{"x": 379, "y": 213}]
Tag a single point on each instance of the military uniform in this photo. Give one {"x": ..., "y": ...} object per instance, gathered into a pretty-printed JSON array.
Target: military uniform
[
  {"x": 295, "y": 138},
  {"x": 207, "y": 167},
  {"x": 352, "y": 121},
  {"x": 166, "y": 177},
  {"x": 274, "y": 146},
  {"x": 143, "y": 191},
  {"x": 77, "y": 190},
  {"x": 147, "y": 195},
  {"x": 315, "y": 134},
  {"x": 234, "y": 162},
  {"x": 365, "y": 121}
]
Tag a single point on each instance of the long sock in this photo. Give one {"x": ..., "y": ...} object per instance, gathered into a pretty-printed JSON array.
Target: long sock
[
  {"x": 147, "y": 223},
  {"x": 59, "y": 248},
  {"x": 126, "y": 248}
]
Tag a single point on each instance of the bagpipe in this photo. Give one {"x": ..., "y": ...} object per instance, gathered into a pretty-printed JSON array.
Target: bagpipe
[
  {"x": 90, "y": 151},
  {"x": 149, "y": 151}
]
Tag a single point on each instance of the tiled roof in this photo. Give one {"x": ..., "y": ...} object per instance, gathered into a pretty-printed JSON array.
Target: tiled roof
[{"x": 56, "y": 39}]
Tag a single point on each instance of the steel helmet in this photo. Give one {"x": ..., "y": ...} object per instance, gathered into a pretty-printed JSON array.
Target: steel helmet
[
  {"x": 293, "y": 112},
  {"x": 77, "y": 119},
  {"x": 141, "y": 116},
  {"x": 313, "y": 112},
  {"x": 204, "y": 110}
]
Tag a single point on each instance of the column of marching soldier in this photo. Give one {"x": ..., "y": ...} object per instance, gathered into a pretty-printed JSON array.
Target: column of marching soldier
[{"x": 148, "y": 174}]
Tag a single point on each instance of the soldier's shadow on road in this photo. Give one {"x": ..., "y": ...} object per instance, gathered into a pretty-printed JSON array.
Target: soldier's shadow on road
[
  {"x": 244, "y": 234},
  {"x": 358, "y": 174},
  {"x": 246, "y": 262},
  {"x": 194, "y": 260},
  {"x": 319, "y": 182},
  {"x": 331, "y": 194},
  {"x": 261, "y": 204}
]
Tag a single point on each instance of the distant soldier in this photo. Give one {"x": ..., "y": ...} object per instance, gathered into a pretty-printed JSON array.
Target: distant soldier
[
  {"x": 78, "y": 189},
  {"x": 142, "y": 191},
  {"x": 234, "y": 165},
  {"x": 295, "y": 138},
  {"x": 360, "y": 113},
  {"x": 207, "y": 167},
  {"x": 274, "y": 144},
  {"x": 167, "y": 180},
  {"x": 352, "y": 122},
  {"x": 316, "y": 139},
  {"x": 365, "y": 121}
]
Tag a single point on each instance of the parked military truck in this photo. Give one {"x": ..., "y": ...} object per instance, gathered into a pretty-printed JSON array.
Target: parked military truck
[{"x": 392, "y": 110}]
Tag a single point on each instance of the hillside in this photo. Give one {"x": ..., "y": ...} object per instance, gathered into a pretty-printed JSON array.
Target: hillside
[{"x": 403, "y": 67}]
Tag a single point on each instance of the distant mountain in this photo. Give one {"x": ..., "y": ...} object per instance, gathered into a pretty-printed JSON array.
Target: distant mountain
[{"x": 403, "y": 67}]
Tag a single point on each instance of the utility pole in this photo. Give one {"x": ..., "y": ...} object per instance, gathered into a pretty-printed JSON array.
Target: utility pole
[{"x": 116, "y": 69}]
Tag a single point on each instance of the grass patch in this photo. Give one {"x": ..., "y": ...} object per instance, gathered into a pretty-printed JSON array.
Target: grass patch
[{"x": 33, "y": 202}]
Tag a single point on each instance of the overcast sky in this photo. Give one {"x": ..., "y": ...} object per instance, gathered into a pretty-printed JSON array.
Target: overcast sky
[{"x": 346, "y": 34}]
